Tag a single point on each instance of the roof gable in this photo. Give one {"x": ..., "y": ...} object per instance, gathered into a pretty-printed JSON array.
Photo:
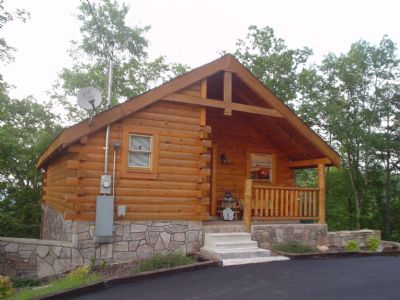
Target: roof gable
[{"x": 275, "y": 107}]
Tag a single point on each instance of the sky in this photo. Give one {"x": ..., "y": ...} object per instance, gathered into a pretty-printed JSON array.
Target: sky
[{"x": 192, "y": 32}]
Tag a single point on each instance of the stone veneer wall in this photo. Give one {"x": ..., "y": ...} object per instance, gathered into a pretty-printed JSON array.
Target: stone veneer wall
[
  {"x": 138, "y": 240},
  {"x": 37, "y": 258},
  {"x": 54, "y": 227},
  {"x": 70, "y": 244},
  {"x": 340, "y": 238},
  {"x": 306, "y": 234}
]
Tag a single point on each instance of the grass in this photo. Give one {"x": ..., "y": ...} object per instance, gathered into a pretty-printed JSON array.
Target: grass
[
  {"x": 54, "y": 286},
  {"x": 169, "y": 260},
  {"x": 294, "y": 248}
]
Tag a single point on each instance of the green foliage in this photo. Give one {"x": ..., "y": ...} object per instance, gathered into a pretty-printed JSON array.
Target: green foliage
[
  {"x": 169, "y": 260},
  {"x": 26, "y": 128},
  {"x": 306, "y": 178},
  {"x": 24, "y": 282},
  {"x": 5, "y": 17},
  {"x": 372, "y": 243},
  {"x": 133, "y": 72},
  {"x": 352, "y": 246},
  {"x": 80, "y": 272},
  {"x": 269, "y": 58},
  {"x": 6, "y": 288},
  {"x": 294, "y": 247},
  {"x": 340, "y": 212},
  {"x": 55, "y": 286}
]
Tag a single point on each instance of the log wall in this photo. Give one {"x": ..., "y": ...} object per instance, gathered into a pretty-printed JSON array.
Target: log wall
[{"x": 180, "y": 189}]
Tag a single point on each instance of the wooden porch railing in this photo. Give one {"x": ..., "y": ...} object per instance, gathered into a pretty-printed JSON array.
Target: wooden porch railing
[{"x": 265, "y": 202}]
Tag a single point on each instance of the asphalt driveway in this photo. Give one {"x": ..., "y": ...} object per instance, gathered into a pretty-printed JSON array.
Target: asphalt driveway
[{"x": 338, "y": 278}]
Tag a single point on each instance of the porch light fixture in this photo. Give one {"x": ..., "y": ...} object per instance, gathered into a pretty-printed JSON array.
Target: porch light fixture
[{"x": 223, "y": 159}]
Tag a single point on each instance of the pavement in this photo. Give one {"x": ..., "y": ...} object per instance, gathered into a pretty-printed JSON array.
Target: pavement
[{"x": 364, "y": 278}]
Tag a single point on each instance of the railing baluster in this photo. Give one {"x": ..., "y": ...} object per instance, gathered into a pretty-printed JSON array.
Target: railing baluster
[
  {"x": 314, "y": 203},
  {"x": 273, "y": 202},
  {"x": 256, "y": 190}
]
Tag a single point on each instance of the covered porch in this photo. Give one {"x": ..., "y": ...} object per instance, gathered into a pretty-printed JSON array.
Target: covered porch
[{"x": 255, "y": 152}]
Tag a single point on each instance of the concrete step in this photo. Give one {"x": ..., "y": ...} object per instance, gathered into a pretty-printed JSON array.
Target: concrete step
[
  {"x": 227, "y": 236},
  {"x": 233, "y": 262},
  {"x": 235, "y": 248},
  {"x": 236, "y": 253},
  {"x": 230, "y": 244}
]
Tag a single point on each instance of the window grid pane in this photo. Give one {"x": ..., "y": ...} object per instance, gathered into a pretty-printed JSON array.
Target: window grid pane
[
  {"x": 140, "y": 151},
  {"x": 140, "y": 143}
]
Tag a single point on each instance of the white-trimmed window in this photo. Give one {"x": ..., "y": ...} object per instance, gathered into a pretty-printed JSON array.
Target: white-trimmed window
[{"x": 140, "y": 151}]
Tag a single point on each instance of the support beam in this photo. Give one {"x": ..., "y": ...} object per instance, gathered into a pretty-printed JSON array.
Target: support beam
[
  {"x": 247, "y": 205},
  {"x": 321, "y": 193},
  {"x": 220, "y": 104},
  {"x": 203, "y": 88},
  {"x": 228, "y": 93},
  {"x": 214, "y": 160},
  {"x": 309, "y": 163}
]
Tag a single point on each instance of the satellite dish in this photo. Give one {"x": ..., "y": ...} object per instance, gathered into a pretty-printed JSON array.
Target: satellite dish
[{"x": 89, "y": 98}]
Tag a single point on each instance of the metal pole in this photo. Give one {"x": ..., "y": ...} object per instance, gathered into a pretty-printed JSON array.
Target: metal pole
[{"x": 109, "y": 86}]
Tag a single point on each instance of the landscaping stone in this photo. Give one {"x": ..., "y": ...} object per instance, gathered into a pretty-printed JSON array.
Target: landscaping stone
[{"x": 323, "y": 248}]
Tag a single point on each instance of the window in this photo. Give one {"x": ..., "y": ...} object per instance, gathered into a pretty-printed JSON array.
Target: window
[
  {"x": 140, "y": 151},
  {"x": 260, "y": 166}
]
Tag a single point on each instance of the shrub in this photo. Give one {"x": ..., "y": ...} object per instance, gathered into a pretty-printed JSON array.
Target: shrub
[
  {"x": 6, "y": 288},
  {"x": 372, "y": 243},
  {"x": 25, "y": 282},
  {"x": 352, "y": 246},
  {"x": 294, "y": 247},
  {"x": 169, "y": 260},
  {"x": 80, "y": 272}
]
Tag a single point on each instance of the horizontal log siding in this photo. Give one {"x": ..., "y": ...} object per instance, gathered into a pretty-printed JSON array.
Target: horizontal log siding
[
  {"x": 234, "y": 137},
  {"x": 176, "y": 193},
  {"x": 55, "y": 184}
]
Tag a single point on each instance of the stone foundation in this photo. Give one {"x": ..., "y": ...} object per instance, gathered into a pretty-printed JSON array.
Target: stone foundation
[
  {"x": 132, "y": 240},
  {"x": 54, "y": 227},
  {"x": 138, "y": 240},
  {"x": 307, "y": 234}
]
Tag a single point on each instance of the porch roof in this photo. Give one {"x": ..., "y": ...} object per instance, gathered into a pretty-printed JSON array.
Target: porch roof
[{"x": 248, "y": 95}]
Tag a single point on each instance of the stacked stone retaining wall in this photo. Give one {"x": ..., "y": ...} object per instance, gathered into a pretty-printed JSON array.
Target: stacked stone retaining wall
[
  {"x": 307, "y": 234},
  {"x": 340, "y": 238},
  {"x": 37, "y": 258}
]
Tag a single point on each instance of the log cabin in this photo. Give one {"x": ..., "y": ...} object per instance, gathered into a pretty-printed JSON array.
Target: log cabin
[{"x": 176, "y": 150}]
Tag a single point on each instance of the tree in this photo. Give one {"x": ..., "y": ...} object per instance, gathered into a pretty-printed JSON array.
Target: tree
[
  {"x": 357, "y": 109},
  {"x": 26, "y": 128},
  {"x": 277, "y": 66},
  {"x": 104, "y": 30},
  {"x": 5, "y": 17}
]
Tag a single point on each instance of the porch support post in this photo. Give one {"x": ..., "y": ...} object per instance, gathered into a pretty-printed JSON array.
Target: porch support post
[
  {"x": 214, "y": 208},
  {"x": 247, "y": 205},
  {"x": 321, "y": 193}
]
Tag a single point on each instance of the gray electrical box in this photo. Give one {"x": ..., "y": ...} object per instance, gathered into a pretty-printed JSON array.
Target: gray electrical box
[
  {"x": 104, "y": 219},
  {"x": 105, "y": 184}
]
